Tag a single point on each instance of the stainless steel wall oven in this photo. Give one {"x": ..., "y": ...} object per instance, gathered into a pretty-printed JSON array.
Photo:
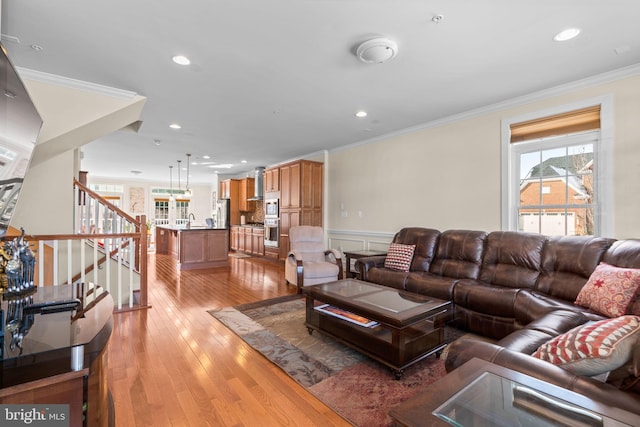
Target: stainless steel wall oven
[
  {"x": 271, "y": 208},
  {"x": 271, "y": 232}
]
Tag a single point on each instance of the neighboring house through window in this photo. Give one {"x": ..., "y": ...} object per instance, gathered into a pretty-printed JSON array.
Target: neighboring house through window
[{"x": 556, "y": 172}]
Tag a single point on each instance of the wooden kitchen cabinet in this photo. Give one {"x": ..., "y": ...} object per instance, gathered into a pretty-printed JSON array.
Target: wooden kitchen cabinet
[
  {"x": 290, "y": 186},
  {"x": 230, "y": 189},
  {"x": 249, "y": 240},
  {"x": 288, "y": 218},
  {"x": 225, "y": 189},
  {"x": 272, "y": 180},
  {"x": 300, "y": 198},
  {"x": 235, "y": 234},
  {"x": 257, "y": 241},
  {"x": 246, "y": 190}
]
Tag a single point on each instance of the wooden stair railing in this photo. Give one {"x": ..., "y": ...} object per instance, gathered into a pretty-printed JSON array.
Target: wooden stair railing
[
  {"x": 118, "y": 241},
  {"x": 100, "y": 221}
]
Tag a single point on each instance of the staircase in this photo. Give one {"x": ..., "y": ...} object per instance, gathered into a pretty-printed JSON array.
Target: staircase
[{"x": 108, "y": 247}]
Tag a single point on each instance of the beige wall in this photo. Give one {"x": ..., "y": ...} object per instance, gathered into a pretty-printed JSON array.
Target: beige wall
[
  {"x": 45, "y": 205},
  {"x": 449, "y": 176}
]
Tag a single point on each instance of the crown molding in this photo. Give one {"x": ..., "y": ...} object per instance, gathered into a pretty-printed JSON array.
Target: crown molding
[
  {"x": 39, "y": 76},
  {"x": 610, "y": 76}
]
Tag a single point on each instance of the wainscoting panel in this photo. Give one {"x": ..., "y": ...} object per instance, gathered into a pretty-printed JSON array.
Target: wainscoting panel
[{"x": 347, "y": 240}]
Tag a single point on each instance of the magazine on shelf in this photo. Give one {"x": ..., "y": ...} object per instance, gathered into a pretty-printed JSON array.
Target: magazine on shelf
[{"x": 346, "y": 315}]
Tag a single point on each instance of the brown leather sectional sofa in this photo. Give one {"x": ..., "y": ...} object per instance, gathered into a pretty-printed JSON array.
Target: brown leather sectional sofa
[{"x": 516, "y": 288}]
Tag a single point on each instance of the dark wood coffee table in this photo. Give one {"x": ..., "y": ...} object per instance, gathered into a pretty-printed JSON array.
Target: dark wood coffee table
[{"x": 409, "y": 327}]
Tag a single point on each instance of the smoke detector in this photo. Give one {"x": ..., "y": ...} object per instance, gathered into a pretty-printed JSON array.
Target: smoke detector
[{"x": 377, "y": 51}]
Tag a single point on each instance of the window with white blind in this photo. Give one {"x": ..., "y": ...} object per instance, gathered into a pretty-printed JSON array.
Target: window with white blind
[{"x": 556, "y": 172}]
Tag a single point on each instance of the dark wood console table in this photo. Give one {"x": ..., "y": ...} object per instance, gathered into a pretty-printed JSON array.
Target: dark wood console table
[{"x": 61, "y": 358}]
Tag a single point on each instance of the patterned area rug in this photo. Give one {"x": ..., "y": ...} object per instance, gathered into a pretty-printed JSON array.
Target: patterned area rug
[{"x": 358, "y": 388}]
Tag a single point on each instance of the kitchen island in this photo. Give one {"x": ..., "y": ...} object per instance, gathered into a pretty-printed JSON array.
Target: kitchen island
[{"x": 195, "y": 247}]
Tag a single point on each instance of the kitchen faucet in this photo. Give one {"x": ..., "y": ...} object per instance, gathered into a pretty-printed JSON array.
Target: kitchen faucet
[{"x": 190, "y": 216}]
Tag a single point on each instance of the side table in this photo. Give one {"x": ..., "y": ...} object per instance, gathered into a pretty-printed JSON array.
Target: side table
[
  {"x": 352, "y": 256},
  {"x": 480, "y": 393}
]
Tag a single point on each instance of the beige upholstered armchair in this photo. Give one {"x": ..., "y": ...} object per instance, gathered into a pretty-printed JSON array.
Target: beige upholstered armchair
[{"x": 308, "y": 263}]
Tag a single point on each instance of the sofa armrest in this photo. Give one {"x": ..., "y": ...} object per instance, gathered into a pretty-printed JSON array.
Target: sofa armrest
[
  {"x": 363, "y": 265},
  {"x": 463, "y": 349}
]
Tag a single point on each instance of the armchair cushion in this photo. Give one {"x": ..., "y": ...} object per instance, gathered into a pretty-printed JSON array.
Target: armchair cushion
[
  {"x": 308, "y": 263},
  {"x": 399, "y": 257}
]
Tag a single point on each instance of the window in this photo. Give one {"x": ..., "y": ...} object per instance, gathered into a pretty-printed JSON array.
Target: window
[
  {"x": 182, "y": 209},
  {"x": 161, "y": 210},
  {"x": 556, "y": 171}
]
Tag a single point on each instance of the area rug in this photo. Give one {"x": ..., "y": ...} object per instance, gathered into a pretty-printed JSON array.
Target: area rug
[{"x": 356, "y": 387}]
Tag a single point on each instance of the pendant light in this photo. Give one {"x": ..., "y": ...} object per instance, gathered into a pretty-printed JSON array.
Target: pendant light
[
  {"x": 188, "y": 192},
  {"x": 179, "y": 184},
  {"x": 171, "y": 183}
]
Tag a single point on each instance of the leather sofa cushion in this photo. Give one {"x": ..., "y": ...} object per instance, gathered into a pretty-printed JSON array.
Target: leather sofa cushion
[
  {"x": 541, "y": 330},
  {"x": 485, "y": 298},
  {"x": 490, "y": 326},
  {"x": 386, "y": 277},
  {"x": 426, "y": 241},
  {"x": 432, "y": 285},
  {"x": 512, "y": 259},
  {"x": 531, "y": 305},
  {"x": 567, "y": 263},
  {"x": 459, "y": 254}
]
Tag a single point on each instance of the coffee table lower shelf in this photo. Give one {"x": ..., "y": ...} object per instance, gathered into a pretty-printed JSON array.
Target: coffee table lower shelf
[{"x": 397, "y": 348}]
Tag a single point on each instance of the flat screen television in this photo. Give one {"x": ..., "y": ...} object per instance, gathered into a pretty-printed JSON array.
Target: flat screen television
[{"x": 20, "y": 125}]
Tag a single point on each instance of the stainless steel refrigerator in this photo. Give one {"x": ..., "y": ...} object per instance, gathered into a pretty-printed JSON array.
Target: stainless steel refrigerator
[{"x": 223, "y": 212}]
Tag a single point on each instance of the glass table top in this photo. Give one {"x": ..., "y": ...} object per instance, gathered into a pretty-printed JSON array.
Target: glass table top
[{"x": 496, "y": 401}]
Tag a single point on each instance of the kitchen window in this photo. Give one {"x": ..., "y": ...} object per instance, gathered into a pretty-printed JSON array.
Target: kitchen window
[
  {"x": 161, "y": 211},
  {"x": 182, "y": 210},
  {"x": 556, "y": 172}
]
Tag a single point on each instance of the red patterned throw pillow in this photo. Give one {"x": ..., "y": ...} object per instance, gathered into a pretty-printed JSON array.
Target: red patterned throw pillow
[
  {"x": 610, "y": 290},
  {"x": 593, "y": 348},
  {"x": 399, "y": 257}
]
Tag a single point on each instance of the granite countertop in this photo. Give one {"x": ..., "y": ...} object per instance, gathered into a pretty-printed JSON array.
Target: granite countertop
[
  {"x": 250, "y": 225},
  {"x": 193, "y": 228}
]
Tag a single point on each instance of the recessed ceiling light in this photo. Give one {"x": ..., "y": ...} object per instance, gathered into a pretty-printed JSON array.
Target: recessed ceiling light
[
  {"x": 206, "y": 157},
  {"x": 222, "y": 166},
  {"x": 243, "y": 161},
  {"x": 361, "y": 114},
  {"x": 181, "y": 60},
  {"x": 175, "y": 126},
  {"x": 36, "y": 47},
  {"x": 567, "y": 34}
]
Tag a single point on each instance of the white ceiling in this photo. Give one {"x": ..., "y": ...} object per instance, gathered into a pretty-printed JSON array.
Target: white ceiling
[{"x": 272, "y": 80}]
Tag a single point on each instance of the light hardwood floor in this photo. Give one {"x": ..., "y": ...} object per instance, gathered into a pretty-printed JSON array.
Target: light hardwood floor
[{"x": 175, "y": 365}]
